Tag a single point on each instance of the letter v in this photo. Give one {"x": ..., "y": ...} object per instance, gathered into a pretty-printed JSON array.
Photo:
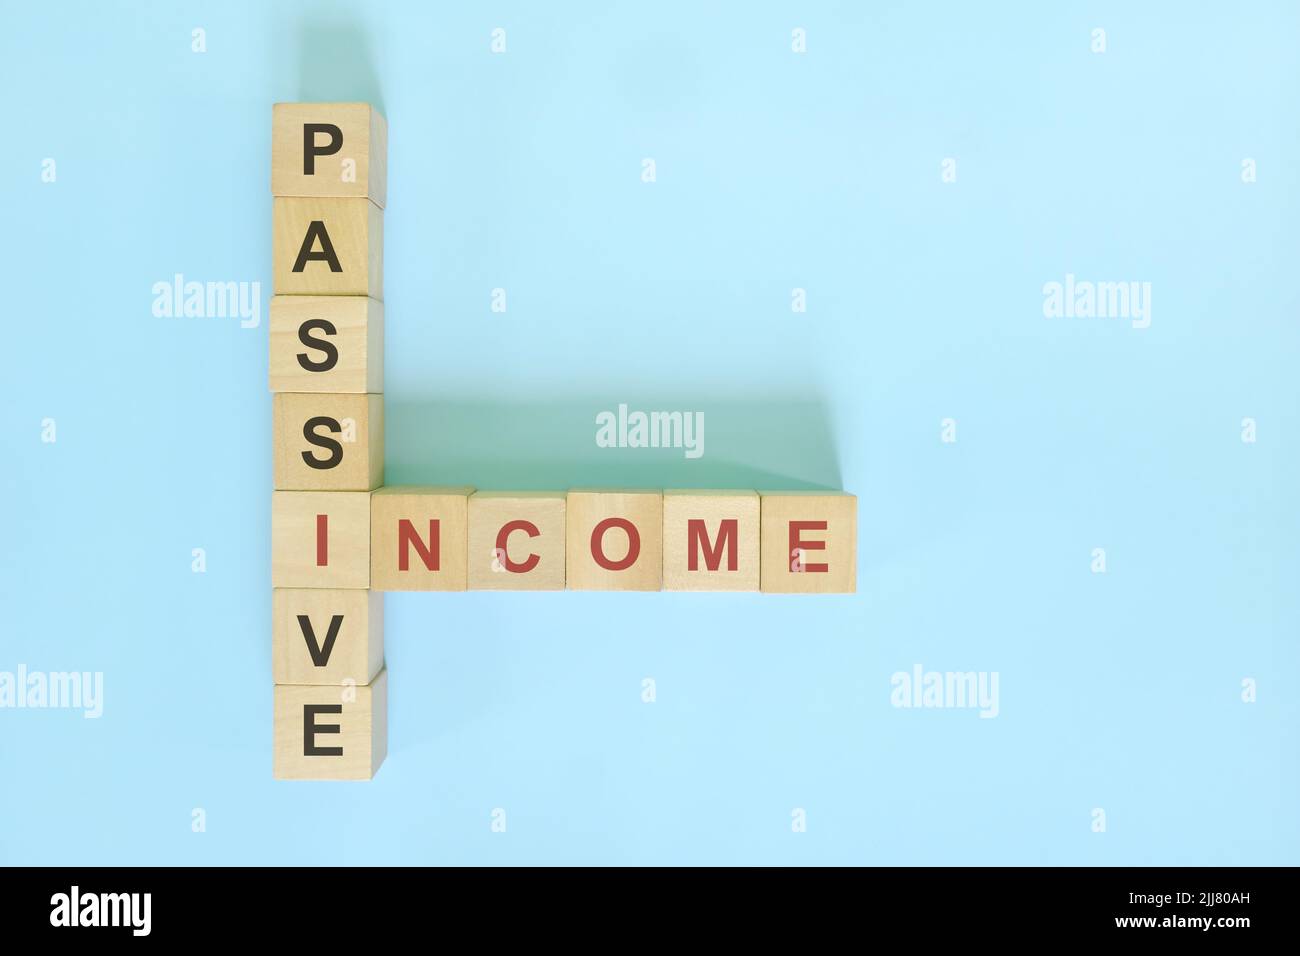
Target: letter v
[{"x": 320, "y": 656}]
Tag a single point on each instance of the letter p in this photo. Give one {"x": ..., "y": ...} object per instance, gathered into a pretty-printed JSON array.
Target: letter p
[{"x": 309, "y": 148}]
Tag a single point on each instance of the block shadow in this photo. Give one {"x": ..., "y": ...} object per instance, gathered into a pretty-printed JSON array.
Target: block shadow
[
  {"x": 767, "y": 445},
  {"x": 335, "y": 63}
]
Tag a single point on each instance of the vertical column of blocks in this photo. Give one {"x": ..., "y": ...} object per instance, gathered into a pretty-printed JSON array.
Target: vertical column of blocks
[{"x": 329, "y": 187}]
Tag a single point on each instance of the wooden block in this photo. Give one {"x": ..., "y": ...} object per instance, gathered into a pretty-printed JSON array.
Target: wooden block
[
  {"x": 711, "y": 540},
  {"x": 327, "y": 343},
  {"x": 329, "y": 149},
  {"x": 320, "y": 539},
  {"x": 516, "y": 540},
  {"x": 327, "y": 247},
  {"x": 331, "y": 733},
  {"x": 328, "y": 442},
  {"x": 810, "y": 542},
  {"x": 326, "y": 635},
  {"x": 418, "y": 538},
  {"x": 614, "y": 540}
]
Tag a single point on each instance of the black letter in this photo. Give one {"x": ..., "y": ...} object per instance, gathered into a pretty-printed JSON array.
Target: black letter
[
  {"x": 320, "y": 656},
  {"x": 321, "y": 441},
  {"x": 326, "y": 254},
  {"x": 310, "y": 729},
  {"x": 331, "y": 353},
  {"x": 309, "y": 149}
]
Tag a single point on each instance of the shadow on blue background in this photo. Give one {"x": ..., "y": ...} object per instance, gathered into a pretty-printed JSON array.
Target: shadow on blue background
[
  {"x": 336, "y": 62},
  {"x": 765, "y": 444}
]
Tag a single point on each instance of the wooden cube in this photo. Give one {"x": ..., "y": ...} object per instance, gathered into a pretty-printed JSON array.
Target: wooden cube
[
  {"x": 326, "y": 635},
  {"x": 329, "y": 149},
  {"x": 711, "y": 540},
  {"x": 320, "y": 539},
  {"x": 809, "y": 542},
  {"x": 614, "y": 540},
  {"x": 327, "y": 247},
  {"x": 331, "y": 732},
  {"x": 516, "y": 540},
  {"x": 328, "y": 442},
  {"x": 327, "y": 343},
  {"x": 418, "y": 538}
]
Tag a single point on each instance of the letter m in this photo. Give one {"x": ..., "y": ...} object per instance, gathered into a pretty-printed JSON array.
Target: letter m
[
  {"x": 1112, "y": 300},
  {"x": 697, "y": 540},
  {"x": 115, "y": 909}
]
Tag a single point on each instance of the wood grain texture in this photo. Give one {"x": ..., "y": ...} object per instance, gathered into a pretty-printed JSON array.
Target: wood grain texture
[
  {"x": 355, "y": 230},
  {"x": 355, "y": 721},
  {"x": 348, "y": 452},
  {"x": 359, "y": 167},
  {"x": 297, "y": 548},
  {"x": 597, "y": 530},
  {"x": 716, "y": 529},
  {"x": 342, "y": 638},
  {"x": 541, "y": 537},
  {"x": 326, "y": 343},
  {"x": 396, "y": 560},
  {"x": 823, "y": 527}
]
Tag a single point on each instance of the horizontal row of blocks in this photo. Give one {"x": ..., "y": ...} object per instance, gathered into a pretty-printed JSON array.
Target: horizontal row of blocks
[{"x": 411, "y": 538}]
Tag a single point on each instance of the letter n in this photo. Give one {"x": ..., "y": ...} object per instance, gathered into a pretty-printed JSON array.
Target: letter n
[{"x": 408, "y": 536}]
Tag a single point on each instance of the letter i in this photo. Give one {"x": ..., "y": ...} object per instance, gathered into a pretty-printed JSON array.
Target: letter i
[{"x": 322, "y": 541}]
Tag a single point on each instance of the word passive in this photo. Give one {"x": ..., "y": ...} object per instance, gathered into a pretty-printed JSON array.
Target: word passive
[{"x": 329, "y": 166}]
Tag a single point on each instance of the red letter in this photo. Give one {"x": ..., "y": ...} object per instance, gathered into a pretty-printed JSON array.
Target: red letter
[
  {"x": 407, "y": 536},
  {"x": 633, "y": 544},
  {"x": 322, "y": 541},
  {"x": 697, "y": 538},
  {"x": 798, "y": 547},
  {"x": 502, "y": 538}
]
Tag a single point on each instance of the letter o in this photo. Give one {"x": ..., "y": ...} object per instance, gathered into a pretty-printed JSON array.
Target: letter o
[{"x": 598, "y": 548}]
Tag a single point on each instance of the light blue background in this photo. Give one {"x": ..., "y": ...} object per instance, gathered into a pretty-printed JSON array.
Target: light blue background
[{"x": 775, "y": 170}]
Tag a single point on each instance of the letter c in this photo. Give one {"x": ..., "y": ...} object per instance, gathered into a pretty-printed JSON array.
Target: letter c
[{"x": 519, "y": 567}]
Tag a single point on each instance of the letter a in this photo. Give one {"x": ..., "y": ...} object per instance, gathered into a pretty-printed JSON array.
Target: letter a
[{"x": 306, "y": 254}]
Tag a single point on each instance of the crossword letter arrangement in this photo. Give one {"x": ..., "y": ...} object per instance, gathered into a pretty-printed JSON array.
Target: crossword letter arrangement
[{"x": 339, "y": 537}]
